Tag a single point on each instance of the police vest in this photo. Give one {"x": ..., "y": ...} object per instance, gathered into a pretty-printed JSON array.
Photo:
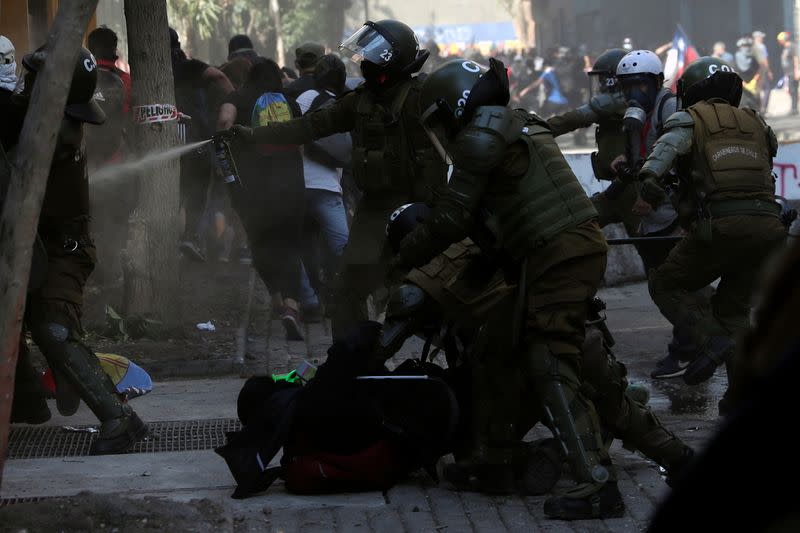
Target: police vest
[
  {"x": 548, "y": 199},
  {"x": 390, "y": 147},
  {"x": 730, "y": 151}
]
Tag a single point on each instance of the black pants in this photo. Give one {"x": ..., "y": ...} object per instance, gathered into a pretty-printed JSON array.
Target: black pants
[{"x": 271, "y": 206}]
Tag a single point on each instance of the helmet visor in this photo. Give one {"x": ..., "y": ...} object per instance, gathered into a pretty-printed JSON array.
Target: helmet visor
[
  {"x": 367, "y": 44},
  {"x": 602, "y": 82}
]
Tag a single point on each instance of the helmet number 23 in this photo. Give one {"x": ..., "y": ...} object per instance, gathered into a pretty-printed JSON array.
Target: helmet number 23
[{"x": 386, "y": 55}]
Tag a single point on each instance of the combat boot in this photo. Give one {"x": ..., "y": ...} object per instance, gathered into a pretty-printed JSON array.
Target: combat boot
[
  {"x": 29, "y": 405},
  {"x": 119, "y": 434},
  {"x": 587, "y": 501}
]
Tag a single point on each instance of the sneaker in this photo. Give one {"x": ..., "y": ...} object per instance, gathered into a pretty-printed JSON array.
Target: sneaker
[
  {"x": 191, "y": 250},
  {"x": 291, "y": 322},
  {"x": 669, "y": 367},
  {"x": 587, "y": 502}
]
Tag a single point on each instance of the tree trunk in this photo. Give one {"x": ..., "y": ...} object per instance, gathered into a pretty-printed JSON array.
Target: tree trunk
[
  {"x": 336, "y": 13},
  {"x": 151, "y": 255},
  {"x": 280, "y": 53},
  {"x": 23, "y": 202}
]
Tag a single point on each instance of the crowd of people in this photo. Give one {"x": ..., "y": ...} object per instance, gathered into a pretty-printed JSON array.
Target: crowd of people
[{"x": 446, "y": 200}]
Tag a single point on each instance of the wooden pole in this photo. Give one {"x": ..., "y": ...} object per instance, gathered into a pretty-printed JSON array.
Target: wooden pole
[{"x": 30, "y": 168}]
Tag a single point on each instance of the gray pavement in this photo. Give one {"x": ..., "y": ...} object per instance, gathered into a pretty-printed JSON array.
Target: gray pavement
[{"x": 415, "y": 505}]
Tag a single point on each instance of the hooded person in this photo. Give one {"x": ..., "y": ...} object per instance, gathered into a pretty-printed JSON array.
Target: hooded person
[{"x": 12, "y": 114}]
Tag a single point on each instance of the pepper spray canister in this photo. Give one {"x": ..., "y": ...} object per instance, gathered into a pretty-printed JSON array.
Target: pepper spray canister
[{"x": 226, "y": 166}]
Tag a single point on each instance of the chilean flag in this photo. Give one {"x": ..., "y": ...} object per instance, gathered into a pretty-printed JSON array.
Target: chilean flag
[{"x": 679, "y": 57}]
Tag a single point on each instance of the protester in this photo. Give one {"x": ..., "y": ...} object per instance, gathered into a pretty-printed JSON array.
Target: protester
[
  {"x": 720, "y": 52},
  {"x": 12, "y": 115},
  {"x": 761, "y": 55},
  {"x": 306, "y": 57},
  {"x": 791, "y": 67},
  {"x": 270, "y": 201},
  {"x": 325, "y": 211},
  {"x": 241, "y": 47},
  {"x": 199, "y": 89}
]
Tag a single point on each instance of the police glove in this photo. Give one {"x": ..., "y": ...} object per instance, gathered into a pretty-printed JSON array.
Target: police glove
[
  {"x": 651, "y": 192},
  {"x": 236, "y": 134},
  {"x": 608, "y": 104}
]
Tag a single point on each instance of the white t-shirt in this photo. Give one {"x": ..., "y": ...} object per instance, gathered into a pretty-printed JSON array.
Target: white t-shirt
[{"x": 317, "y": 175}]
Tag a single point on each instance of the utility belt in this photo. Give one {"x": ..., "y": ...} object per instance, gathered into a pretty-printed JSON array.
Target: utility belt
[
  {"x": 70, "y": 233},
  {"x": 725, "y": 208}
]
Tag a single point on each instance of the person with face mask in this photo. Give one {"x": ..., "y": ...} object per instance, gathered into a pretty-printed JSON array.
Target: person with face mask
[
  {"x": 650, "y": 104},
  {"x": 606, "y": 109},
  {"x": 393, "y": 162},
  {"x": 12, "y": 116}
]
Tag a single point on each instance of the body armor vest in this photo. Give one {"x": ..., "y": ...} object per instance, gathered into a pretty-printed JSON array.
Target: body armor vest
[
  {"x": 531, "y": 209},
  {"x": 610, "y": 140},
  {"x": 390, "y": 149},
  {"x": 730, "y": 152}
]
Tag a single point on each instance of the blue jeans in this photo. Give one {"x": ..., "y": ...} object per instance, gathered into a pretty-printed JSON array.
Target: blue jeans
[{"x": 325, "y": 212}]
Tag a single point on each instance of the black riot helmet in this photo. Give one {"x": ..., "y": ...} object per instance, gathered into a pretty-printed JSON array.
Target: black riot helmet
[
  {"x": 81, "y": 104},
  {"x": 403, "y": 221},
  {"x": 387, "y": 52},
  {"x": 707, "y": 78},
  {"x": 603, "y": 75},
  {"x": 450, "y": 95}
]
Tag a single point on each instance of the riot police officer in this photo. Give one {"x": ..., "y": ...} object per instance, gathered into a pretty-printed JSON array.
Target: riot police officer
[
  {"x": 727, "y": 204},
  {"x": 53, "y": 309},
  {"x": 514, "y": 194},
  {"x": 393, "y": 161},
  {"x": 606, "y": 109},
  {"x": 454, "y": 302}
]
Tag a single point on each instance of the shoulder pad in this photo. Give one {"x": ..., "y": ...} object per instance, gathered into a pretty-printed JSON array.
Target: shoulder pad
[
  {"x": 499, "y": 120},
  {"x": 608, "y": 104},
  {"x": 679, "y": 119},
  {"x": 478, "y": 150}
]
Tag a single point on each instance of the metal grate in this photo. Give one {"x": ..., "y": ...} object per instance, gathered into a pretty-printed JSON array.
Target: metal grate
[
  {"x": 32, "y": 442},
  {"x": 12, "y": 501}
]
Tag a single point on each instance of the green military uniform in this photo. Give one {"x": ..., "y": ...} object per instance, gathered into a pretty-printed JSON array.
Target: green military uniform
[
  {"x": 512, "y": 180},
  {"x": 728, "y": 153},
  {"x": 53, "y": 309},
  {"x": 393, "y": 164},
  {"x": 459, "y": 293},
  {"x": 606, "y": 110}
]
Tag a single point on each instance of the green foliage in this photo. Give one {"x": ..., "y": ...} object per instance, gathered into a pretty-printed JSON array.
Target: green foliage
[
  {"x": 201, "y": 15},
  {"x": 303, "y": 21}
]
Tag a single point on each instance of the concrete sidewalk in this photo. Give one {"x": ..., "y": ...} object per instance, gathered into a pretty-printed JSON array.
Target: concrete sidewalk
[{"x": 416, "y": 505}]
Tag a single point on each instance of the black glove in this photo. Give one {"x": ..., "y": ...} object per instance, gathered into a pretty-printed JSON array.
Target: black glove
[
  {"x": 651, "y": 192},
  {"x": 236, "y": 134}
]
